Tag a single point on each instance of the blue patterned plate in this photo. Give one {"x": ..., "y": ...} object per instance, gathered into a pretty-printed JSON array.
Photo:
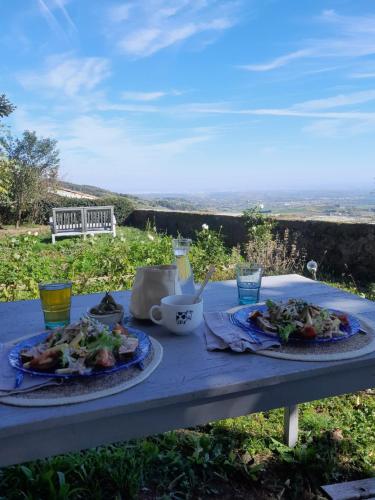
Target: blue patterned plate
[
  {"x": 239, "y": 318},
  {"x": 139, "y": 355}
]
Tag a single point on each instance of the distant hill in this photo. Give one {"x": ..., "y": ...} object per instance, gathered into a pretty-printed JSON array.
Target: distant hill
[
  {"x": 167, "y": 203},
  {"x": 97, "y": 192}
]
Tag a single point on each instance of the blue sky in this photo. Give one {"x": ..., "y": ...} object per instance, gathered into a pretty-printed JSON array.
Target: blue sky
[{"x": 196, "y": 95}]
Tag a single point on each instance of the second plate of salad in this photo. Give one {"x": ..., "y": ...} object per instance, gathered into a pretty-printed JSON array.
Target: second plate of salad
[{"x": 297, "y": 321}]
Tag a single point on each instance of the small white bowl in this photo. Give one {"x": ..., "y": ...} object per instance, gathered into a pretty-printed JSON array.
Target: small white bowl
[{"x": 109, "y": 319}]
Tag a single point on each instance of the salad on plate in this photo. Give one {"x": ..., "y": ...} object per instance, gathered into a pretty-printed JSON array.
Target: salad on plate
[
  {"x": 80, "y": 348},
  {"x": 299, "y": 320}
]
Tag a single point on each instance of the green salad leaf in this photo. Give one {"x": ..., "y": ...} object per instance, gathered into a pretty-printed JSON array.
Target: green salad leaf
[
  {"x": 105, "y": 341},
  {"x": 285, "y": 331}
]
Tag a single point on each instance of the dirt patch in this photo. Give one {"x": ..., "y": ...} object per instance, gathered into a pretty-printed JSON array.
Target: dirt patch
[{"x": 12, "y": 231}]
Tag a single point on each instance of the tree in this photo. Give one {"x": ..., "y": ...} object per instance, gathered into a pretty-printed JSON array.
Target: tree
[
  {"x": 33, "y": 166},
  {"x": 6, "y": 107}
]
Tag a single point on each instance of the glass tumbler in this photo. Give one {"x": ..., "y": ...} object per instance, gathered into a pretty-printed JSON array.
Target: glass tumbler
[
  {"x": 249, "y": 280},
  {"x": 56, "y": 300}
]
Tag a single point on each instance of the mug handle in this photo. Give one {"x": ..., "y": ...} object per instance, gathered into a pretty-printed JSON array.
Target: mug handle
[{"x": 151, "y": 314}]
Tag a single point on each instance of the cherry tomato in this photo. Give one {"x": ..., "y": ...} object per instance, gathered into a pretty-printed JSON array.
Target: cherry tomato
[{"x": 344, "y": 319}]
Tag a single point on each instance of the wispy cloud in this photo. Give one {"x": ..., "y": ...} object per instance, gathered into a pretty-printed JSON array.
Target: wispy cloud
[
  {"x": 278, "y": 62},
  {"x": 142, "y": 96},
  {"x": 352, "y": 36},
  {"x": 147, "y": 96},
  {"x": 60, "y": 4},
  {"x": 119, "y": 13},
  {"x": 337, "y": 101},
  {"x": 149, "y": 27},
  {"x": 91, "y": 142},
  {"x": 47, "y": 8},
  {"x": 68, "y": 74},
  {"x": 362, "y": 75}
]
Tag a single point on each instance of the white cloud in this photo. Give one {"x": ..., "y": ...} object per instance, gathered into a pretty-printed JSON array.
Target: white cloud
[
  {"x": 119, "y": 13},
  {"x": 147, "y": 96},
  {"x": 278, "y": 62},
  {"x": 68, "y": 75},
  {"x": 178, "y": 146},
  {"x": 324, "y": 128},
  {"x": 362, "y": 75},
  {"x": 157, "y": 24},
  {"x": 142, "y": 96},
  {"x": 90, "y": 145},
  {"x": 47, "y": 8},
  {"x": 60, "y": 4},
  {"x": 352, "y": 36},
  {"x": 147, "y": 42},
  {"x": 337, "y": 101}
]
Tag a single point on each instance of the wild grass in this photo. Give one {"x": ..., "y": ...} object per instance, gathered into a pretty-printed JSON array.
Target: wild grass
[
  {"x": 229, "y": 459},
  {"x": 99, "y": 263},
  {"x": 234, "y": 458}
]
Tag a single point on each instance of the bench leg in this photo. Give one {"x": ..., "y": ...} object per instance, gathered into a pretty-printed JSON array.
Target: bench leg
[
  {"x": 53, "y": 239},
  {"x": 291, "y": 425}
]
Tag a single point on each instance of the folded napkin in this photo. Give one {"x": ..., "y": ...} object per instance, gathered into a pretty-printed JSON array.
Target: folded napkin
[
  {"x": 222, "y": 334},
  {"x": 8, "y": 376}
]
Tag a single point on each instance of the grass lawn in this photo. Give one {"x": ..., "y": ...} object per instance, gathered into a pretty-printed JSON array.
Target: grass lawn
[{"x": 234, "y": 458}]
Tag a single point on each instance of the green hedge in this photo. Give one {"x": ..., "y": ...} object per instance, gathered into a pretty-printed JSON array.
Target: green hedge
[{"x": 122, "y": 206}]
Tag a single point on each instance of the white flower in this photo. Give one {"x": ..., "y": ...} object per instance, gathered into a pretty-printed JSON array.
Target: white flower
[
  {"x": 36, "y": 233},
  {"x": 122, "y": 238},
  {"x": 205, "y": 227},
  {"x": 29, "y": 233},
  {"x": 150, "y": 237}
]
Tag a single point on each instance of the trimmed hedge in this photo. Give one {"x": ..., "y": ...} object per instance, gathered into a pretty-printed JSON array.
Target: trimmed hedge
[{"x": 122, "y": 207}]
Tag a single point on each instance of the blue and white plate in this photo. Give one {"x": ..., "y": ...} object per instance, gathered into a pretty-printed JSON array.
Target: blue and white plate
[
  {"x": 140, "y": 354},
  {"x": 239, "y": 318}
]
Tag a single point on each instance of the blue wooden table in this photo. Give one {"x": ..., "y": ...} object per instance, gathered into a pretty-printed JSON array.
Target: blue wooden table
[{"x": 191, "y": 386}]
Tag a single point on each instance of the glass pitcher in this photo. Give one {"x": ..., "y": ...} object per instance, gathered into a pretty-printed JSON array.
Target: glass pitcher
[{"x": 181, "y": 248}]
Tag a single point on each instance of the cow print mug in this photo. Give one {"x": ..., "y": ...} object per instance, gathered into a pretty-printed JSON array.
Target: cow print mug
[{"x": 178, "y": 313}]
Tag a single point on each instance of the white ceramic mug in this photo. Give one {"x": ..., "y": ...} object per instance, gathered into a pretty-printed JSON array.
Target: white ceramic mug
[{"x": 178, "y": 313}]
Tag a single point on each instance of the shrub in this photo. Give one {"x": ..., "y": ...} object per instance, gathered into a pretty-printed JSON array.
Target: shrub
[
  {"x": 277, "y": 254},
  {"x": 209, "y": 248},
  {"x": 43, "y": 210},
  {"x": 99, "y": 263}
]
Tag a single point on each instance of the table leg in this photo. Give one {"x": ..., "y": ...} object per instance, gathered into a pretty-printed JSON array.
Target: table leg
[{"x": 291, "y": 425}]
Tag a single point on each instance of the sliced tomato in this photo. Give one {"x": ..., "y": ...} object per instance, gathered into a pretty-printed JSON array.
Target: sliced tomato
[
  {"x": 105, "y": 359},
  {"x": 308, "y": 332}
]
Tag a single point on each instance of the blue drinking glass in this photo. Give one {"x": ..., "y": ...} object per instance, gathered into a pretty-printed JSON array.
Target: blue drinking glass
[{"x": 249, "y": 280}]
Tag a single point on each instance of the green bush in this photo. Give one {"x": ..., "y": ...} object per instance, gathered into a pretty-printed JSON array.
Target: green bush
[
  {"x": 122, "y": 208},
  {"x": 99, "y": 263},
  {"x": 234, "y": 458},
  {"x": 275, "y": 253}
]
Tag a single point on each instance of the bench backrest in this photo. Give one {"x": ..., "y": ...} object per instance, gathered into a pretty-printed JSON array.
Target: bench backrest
[
  {"x": 82, "y": 219},
  {"x": 98, "y": 218}
]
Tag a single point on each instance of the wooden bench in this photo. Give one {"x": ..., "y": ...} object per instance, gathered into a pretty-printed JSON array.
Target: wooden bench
[{"x": 75, "y": 221}]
